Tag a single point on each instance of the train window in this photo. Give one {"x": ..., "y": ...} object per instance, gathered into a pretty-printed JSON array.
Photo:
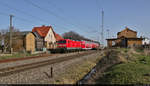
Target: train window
[{"x": 62, "y": 41}]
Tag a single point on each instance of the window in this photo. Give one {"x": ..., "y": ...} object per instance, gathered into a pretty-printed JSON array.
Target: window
[
  {"x": 62, "y": 41},
  {"x": 113, "y": 43}
]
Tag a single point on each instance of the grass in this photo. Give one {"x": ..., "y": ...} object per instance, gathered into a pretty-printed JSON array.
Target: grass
[
  {"x": 17, "y": 55},
  {"x": 123, "y": 49},
  {"x": 77, "y": 71},
  {"x": 139, "y": 50},
  {"x": 133, "y": 72}
]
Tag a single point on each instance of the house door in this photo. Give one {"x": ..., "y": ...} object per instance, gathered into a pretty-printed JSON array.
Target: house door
[{"x": 124, "y": 42}]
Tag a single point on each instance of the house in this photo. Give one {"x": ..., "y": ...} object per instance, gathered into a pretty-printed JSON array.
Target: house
[
  {"x": 45, "y": 37},
  {"x": 39, "y": 38},
  {"x": 125, "y": 38}
]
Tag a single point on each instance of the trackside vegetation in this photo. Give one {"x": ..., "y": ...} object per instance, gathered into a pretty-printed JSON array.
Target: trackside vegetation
[
  {"x": 16, "y": 55},
  {"x": 136, "y": 70}
]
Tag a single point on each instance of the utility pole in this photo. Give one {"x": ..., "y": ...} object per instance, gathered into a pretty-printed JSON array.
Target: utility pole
[
  {"x": 107, "y": 32},
  {"x": 102, "y": 33},
  {"x": 10, "y": 33}
]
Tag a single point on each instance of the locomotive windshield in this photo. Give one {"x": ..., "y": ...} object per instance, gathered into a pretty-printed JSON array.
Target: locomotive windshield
[{"x": 62, "y": 41}]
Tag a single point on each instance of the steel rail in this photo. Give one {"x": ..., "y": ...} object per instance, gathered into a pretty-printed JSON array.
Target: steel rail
[{"x": 12, "y": 70}]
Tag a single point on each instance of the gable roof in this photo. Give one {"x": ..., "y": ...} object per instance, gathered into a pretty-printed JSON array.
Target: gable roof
[
  {"x": 42, "y": 31},
  {"x": 25, "y": 32},
  {"x": 58, "y": 37},
  {"x": 128, "y": 30}
]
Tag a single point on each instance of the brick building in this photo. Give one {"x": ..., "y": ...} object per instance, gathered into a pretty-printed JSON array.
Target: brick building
[{"x": 125, "y": 38}]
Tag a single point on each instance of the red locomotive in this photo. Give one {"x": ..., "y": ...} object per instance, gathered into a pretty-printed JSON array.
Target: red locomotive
[{"x": 69, "y": 44}]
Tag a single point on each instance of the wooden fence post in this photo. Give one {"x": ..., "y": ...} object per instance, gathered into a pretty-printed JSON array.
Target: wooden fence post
[{"x": 51, "y": 72}]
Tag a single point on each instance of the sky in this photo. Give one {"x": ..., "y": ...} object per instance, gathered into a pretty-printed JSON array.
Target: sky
[{"x": 81, "y": 16}]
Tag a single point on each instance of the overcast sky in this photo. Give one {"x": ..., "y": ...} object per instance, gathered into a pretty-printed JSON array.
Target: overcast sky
[{"x": 82, "y": 16}]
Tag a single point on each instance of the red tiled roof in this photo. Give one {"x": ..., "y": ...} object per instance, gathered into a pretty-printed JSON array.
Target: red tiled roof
[
  {"x": 42, "y": 31},
  {"x": 58, "y": 37}
]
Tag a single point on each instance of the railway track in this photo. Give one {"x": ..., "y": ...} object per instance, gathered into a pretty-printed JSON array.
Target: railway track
[
  {"x": 12, "y": 70},
  {"x": 25, "y": 58}
]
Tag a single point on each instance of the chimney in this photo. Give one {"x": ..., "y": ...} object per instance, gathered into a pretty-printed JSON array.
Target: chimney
[{"x": 43, "y": 25}]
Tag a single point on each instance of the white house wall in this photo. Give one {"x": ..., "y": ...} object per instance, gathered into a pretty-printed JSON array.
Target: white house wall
[
  {"x": 50, "y": 37},
  {"x": 146, "y": 41}
]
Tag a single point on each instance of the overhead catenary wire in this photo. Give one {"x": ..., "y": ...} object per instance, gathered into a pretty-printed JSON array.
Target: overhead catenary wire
[
  {"x": 26, "y": 20},
  {"x": 54, "y": 5},
  {"x": 53, "y": 14},
  {"x": 91, "y": 31},
  {"x": 35, "y": 17},
  {"x": 25, "y": 13},
  {"x": 77, "y": 24},
  {"x": 17, "y": 10},
  {"x": 19, "y": 18},
  {"x": 4, "y": 14},
  {"x": 20, "y": 11}
]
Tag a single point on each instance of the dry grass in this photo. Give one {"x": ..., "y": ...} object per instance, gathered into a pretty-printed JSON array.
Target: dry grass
[
  {"x": 147, "y": 52},
  {"x": 16, "y": 55},
  {"x": 134, "y": 70},
  {"x": 77, "y": 71}
]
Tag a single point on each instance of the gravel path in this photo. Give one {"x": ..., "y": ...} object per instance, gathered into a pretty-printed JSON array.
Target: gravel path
[{"x": 41, "y": 75}]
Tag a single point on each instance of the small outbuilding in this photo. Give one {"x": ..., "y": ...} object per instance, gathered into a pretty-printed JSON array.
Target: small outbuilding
[{"x": 30, "y": 42}]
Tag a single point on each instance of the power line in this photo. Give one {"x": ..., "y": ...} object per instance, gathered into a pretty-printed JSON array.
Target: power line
[
  {"x": 25, "y": 20},
  {"x": 54, "y": 5},
  {"x": 51, "y": 13},
  {"x": 78, "y": 24},
  {"x": 89, "y": 27},
  {"x": 48, "y": 11},
  {"x": 20, "y": 11},
  {"x": 3, "y": 14},
  {"x": 17, "y": 10},
  {"x": 25, "y": 13}
]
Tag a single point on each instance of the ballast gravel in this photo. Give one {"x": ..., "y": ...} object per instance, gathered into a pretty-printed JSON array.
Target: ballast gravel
[
  {"x": 42, "y": 75},
  {"x": 33, "y": 60}
]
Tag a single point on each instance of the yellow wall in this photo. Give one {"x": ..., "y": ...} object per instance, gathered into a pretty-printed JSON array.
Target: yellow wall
[
  {"x": 30, "y": 42},
  {"x": 109, "y": 43},
  {"x": 136, "y": 42},
  {"x": 130, "y": 42}
]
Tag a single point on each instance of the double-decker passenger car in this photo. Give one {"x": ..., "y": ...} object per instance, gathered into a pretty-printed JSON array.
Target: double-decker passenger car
[{"x": 68, "y": 44}]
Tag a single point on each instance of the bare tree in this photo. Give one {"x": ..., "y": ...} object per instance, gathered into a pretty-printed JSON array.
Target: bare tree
[
  {"x": 75, "y": 36},
  {"x": 4, "y": 38}
]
